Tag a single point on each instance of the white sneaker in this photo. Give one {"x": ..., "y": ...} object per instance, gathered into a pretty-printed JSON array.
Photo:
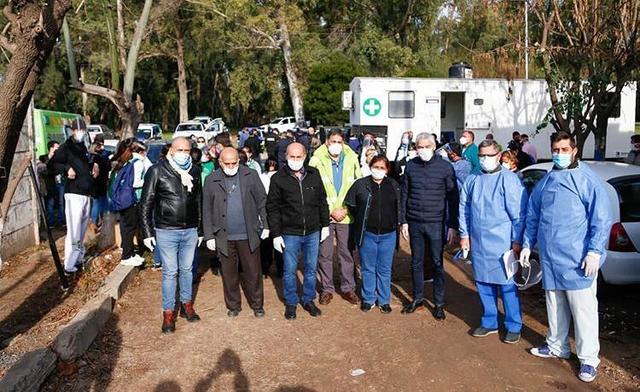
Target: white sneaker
[
  {"x": 132, "y": 261},
  {"x": 138, "y": 257}
]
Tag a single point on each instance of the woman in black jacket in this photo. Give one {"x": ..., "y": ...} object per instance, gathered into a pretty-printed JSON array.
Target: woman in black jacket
[{"x": 374, "y": 201}]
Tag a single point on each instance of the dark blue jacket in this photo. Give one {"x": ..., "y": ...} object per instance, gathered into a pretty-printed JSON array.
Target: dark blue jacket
[{"x": 427, "y": 189}]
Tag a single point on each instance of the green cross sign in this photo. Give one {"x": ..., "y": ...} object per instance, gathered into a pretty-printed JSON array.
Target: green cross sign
[{"x": 371, "y": 107}]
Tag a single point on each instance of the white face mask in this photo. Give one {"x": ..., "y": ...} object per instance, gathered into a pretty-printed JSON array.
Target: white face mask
[
  {"x": 295, "y": 165},
  {"x": 378, "y": 174},
  {"x": 506, "y": 165},
  {"x": 425, "y": 154},
  {"x": 405, "y": 140},
  {"x": 230, "y": 171},
  {"x": 464, "y": 141},
  {"x": 489, "y": 164},
  {"x": 412, "y": 154},
  {"x": 201, "y": 145},
  {"x": 335, "y": 149},
  {"x": 79, "y": 136}
]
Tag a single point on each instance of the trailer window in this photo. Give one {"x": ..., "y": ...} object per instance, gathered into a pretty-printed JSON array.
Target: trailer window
[{"x": 401, "y": 104}]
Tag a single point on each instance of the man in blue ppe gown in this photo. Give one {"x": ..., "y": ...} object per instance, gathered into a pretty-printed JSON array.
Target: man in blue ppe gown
[
  {"x": 493, "y": 205},
  {"x": 569, "y": 219}
]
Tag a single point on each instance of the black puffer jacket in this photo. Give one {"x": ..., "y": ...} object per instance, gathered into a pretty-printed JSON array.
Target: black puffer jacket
[
  {"x": 74, "y": 155},
  {"x": 165, "y": 202},
  {"x": 294, "y": 207},
  {"x": 427, "y": 189}
]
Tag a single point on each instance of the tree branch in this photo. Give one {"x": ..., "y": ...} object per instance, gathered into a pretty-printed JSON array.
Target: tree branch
[{"x": 8, "y": 46}]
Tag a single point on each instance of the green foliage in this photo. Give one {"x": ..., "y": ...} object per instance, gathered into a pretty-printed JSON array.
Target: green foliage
[
  {"x": 233, "y": 73},
  {"x": 327, "y": 80}
]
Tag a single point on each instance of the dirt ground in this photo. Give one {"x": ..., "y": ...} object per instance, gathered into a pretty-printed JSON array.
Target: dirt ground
[
  {"x": 400, "y": 352},
  {"x": 33, "y": 304}
]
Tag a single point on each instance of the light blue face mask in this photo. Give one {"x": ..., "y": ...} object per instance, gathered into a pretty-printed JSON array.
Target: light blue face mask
[
  {"x": 562, "y": 161},
  {"x": 183, "y": 160}
]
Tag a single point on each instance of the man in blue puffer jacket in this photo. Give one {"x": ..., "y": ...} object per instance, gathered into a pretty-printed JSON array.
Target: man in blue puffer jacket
[{"x": 428, "y": 188}]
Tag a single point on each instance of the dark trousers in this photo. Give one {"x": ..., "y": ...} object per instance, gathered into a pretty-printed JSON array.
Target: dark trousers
[
  {"x": 268, "y": 255},
  {"x": 128, "y": 229},
  {"x": 428, "y": 262},
  {"x": 240, "y": 255},
  {"x": 420, "y": 234}
]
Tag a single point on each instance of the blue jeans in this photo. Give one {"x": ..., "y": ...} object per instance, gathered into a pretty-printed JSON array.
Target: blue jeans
[
  {"x": 98, "y": 208},
  {"x": 176, "y": 249},
  {"x": 56, "y": 200},
  {"x": 309, "y": 244},
  {"x": 419, "y": 234},
  {"x": 489, "y": 297},
  {"x": 376, "y": 258}
]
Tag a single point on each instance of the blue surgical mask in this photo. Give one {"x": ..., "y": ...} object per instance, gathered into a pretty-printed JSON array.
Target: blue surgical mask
[
  {"x": 182, "y": 159},
  {"x": 562, "y": 161}
]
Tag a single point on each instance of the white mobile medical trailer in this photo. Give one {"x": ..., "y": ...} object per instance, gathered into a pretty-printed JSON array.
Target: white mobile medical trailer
[{"x": 389, "y": 106}]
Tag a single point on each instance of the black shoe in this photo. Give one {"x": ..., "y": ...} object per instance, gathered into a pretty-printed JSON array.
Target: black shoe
[
  {"x": 412, "y": 307},
  {"x": 511, "y": 337},
  {"x": 365, "y": 307},
  {"x": 290, "y": 312},
  {"x": 386, "y": 308},
  {"x": 438, "y": 312},
  {"x": 233, "y": 312},
  {"x": 258, "y": 312},
  {"x": 481, "y": 332},
  {"x": 312, "y": 309}
]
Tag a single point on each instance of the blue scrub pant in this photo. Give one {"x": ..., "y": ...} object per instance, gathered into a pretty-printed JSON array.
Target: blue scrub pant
[{"x": 489, "y": 297}]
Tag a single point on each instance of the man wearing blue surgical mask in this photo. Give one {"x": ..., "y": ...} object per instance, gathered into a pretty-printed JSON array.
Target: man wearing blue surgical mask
[
  {"x": 493, "y": 204},
  {"x": 569, "y": 219},
  {"x": 170, "y": 213}
]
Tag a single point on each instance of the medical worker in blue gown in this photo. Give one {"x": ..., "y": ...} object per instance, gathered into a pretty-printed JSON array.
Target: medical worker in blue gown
[
  {"x": 569, "y": 218},
  {"x": 493, "y": 204}
]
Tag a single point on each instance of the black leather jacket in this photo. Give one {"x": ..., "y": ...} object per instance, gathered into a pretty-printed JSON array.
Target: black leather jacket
[{"x": 165, "y": 202}]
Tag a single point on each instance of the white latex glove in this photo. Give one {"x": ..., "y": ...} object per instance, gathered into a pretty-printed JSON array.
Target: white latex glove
[
  {"x": 405, "y": 231},
  {"x": 525, "y": 253},
  {"x": 150, "y": 243},
  {"x": 211, "y": 244},
  {"x": 278, "y": 244},
  {"x": 465, "y": 246},
  {"x": 264, "y": 235},
  {"x": 200, "y": 241},
  {"x": 591, "y": 264},
  {"x": 324, "y": 234}
]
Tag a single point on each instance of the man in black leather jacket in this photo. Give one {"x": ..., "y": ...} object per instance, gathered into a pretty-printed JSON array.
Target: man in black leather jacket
[{"x": 170, "y": 209}]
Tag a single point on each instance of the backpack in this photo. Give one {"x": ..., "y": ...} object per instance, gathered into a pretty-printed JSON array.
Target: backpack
[{"x": 121, "y": 192}]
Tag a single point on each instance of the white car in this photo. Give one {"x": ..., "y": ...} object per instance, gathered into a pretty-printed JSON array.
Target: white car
[
  {"x": 216, "y": 125},
  {"x": 149, "y": 132},
  {"x": 622, "y": 265},
  {"x": 193, "y": 129},
  {"x": 282, "y": 124},
  {"x": 110, "y": 137}
]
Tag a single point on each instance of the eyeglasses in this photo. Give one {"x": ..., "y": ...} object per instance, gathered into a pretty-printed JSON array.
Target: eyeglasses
[{"x": 487, "y": 155}]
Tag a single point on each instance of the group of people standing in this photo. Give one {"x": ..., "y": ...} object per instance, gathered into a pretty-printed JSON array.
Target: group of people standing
[{"x": 330, "y": 201}]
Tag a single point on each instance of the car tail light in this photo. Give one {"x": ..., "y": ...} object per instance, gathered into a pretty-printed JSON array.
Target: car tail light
[{"x": 619, "y": 241}]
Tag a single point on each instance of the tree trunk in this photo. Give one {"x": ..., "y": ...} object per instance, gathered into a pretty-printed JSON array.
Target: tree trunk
[
  {"x": 183, "y": 91},
  {"x": 35, "y": 28},
  {"x": 292, "y": 77},
  {"x": 132, "y": 58},
  {"x": 122, "y": 46}
]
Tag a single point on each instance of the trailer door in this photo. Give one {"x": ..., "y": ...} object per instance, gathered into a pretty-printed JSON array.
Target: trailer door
[{"x": 432, "y": 114}]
